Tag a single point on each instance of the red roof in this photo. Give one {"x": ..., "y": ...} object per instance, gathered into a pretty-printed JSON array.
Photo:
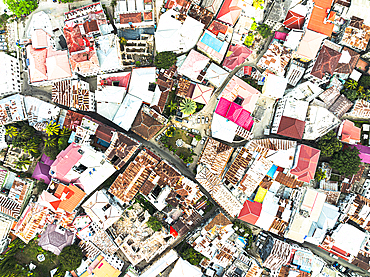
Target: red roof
[
  {"x": 307, "y": 163},
  {"x": 251, "y": 212},
  {"x": 294, "y": 20},
  {"x": 229, "y": 12},
  {"x": 173, "y": 232},
  {"x": 349, "y": 132},
  {"x": 291, "y": 127},
  {"x": 318, "y": 15},
  {"x": 239, "y": 54}
]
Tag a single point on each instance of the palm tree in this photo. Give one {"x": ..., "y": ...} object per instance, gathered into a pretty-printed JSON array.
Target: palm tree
[
  {"x": 351, "y": 84},
  {"x": 64, "y": 132},
  {"x": 172, "y": 106},
  {"x": 188, "y": 106},
  {"x": 22, "y": 163},
  {"x": 50, "y": 142},
  {"x": 30, "y": 147},
  {"x": 11, "y": 131},
  {"x": 24, "y": 134},
  {"x": 52, "y": 128}
]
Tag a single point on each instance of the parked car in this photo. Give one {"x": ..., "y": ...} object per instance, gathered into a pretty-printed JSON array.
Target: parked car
[
  {"x": 186, "y": 120},
  {"x": 178, "y": 119},
  {"x": 158, "y": 137},
  {"x": 198, "y": 119},
  {"x": 195, "y": 131},
  {"x": 207, "y": 119},
  {"x": 203, "y": 140},
  {"x": 184, "y": 128},
  {"x": 191, "y": 135},
  {"x": 203, "y": 120},
  {"x": 333, "y": 256}
]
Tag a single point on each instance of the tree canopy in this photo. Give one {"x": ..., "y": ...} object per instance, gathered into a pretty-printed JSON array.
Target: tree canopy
[
  {"x": 329, "y": 144},
  {"x": 264, "y": 30},
  {"x": 188, "y": 106},
  {"x": 165, "y": 59},
  {"x": 346, "y": 161},
  {"x": 154, "y": 224},
  {"x": 70, "y": 258},
  {"x": 21, "y": 7}
]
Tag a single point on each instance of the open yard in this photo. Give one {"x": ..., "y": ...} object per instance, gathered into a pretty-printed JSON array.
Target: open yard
[{"x": 29, "y": 254}]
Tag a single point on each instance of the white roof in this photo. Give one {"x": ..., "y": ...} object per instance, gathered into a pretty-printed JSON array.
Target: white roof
[
  {"x": 108, "y": 52},
  {"x": 127, "y": 112},
  {"x": 349, "y": 243},
  {"x": 139, "y": 84},
  {"x": 223, "y": 128},
  {"x": 108, "y": 110},
  {"x": 195, "y": 62},
  {"x": 296, "y": 109},
  {"x": 110, "y": 94},
  {"x": 185, "y": 269},
  {"x": 40, "y": 20},
  {"x": 39, "y": 110},
  {"x": 274, "y": 86},
  {"x": 172, "y": 35},
  {"x": 355, "y": 75},
  {"x": 361, "y": 9},
  {"x": 293, "y": 39},
  {"x": 216, "y": 75},
  {"x": 161, "y": 264}
]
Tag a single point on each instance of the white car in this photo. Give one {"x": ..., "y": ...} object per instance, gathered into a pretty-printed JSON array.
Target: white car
[
  {"x": 207, "y": 119},
  {"x": 195, "y": 131},
  {"x": 203, "y": 140}
]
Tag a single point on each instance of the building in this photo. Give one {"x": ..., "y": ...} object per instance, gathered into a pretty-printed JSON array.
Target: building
[
  {"x": 295, "y": 72},
  {"x": 12, "y": 109},
  {"x": 276, "y": 58},
  {"x": 138, "y": 14},
  {"x": 276, "y": 13},
  {"x": 10, "y": 82},
  {"x": 294, "y": 20},
  {"x": 305, "y": 163},
  {"x": 193, "y": 65},
  {"x": 216, "y": 75},
  {"x": 54, "y": 239},
  {"x": 185, "y": 269},
  {"x": 148, "y": 123},
  {"x": 250, "y": 212},
  {"x": 237, "y": 54},
  {"x": 102, "y": 209},
  {"x": 127, "y": 184},
  {"x": 274, "y": 86},
  {"x": 127, "y": 111},
  {"x": 5, "y": 226},
  {"x": 310, "y": 45},
  {"x": 318, "y": 20},
  {"x": 229, "y": 12},
  {"x": 290, "y": 118},
  {"x": 347, "y": 62},
  {"x": 274, "y": 253},
  {"x": 349, "y": 133},
  {"x": 212, "y": 46},
  {"x": 73, "y": 94},
  {"x": 356, "y": 35}
]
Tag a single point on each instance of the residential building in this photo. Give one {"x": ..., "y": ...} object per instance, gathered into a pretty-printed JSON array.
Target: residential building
[
  {"x": 12, "y": 109},
  {"x": 138, "y": 13},
  {"x": 304, "y": 171},
  {"x": 340, "y": 106},
  {"x": 11, "y": 81},
  {"x": 276, "y": 13},
  {"x": 128, "y": 183},
  {"x": 201, "y": 14},
  {"x": 127, "y": 111},
  {"x": 73, "y": 94},
  {"x": 148, "y": 123},
  {"x": 5, "y": 226},
  {"x": 101, "y": 267},
  {"x": 361, "y": 109},
  {"x": 324, "y": 66},
  {"x": 54, "y": 239},
  {"x": 274, "y": 86},
  {"x": 347, "y": 62},
  {"x": 349, "y": 133},
  {"x": 216, "y": 75},
  {"x": 229, "y": 12},
  {"x": 295, "y": 72},
  {"x": 276, "y": 58},
  {"x": 309, "y": 45},
  {"x": 193, "y": 65},
  {"x": 212, "y": 46},
  {"x": 290, "y": 118},
  {"x": 318, "y": 20},
  {"x": 238, "y": 55},
  {"x": 274, "y": 253},
  {"x": 295, "y": 18},
  {"x": 356, "y": 35},
  {"x": 102, "y": 209},
  {"x": 172, "y": 34}
]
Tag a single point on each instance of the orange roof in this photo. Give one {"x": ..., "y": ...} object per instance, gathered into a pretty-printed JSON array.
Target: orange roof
[
  {"x": 318, "y": 15},
  {"x": 70, "y": 195},
  {"x": 350, "y": 133}
]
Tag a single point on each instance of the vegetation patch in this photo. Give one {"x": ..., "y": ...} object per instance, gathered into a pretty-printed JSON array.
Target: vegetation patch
[
  {"x": 189, "y": 254},
  {"x": 154, "y": 224},
  {"x": 145, "y": 204}
]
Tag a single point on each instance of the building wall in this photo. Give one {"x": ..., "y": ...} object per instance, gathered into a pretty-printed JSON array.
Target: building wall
[{"x": 10, "y": 75}]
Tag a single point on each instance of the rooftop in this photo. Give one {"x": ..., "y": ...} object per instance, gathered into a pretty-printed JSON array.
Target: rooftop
[
  {"x": 236, "y": 55},
  {"x": 229, "y": 12},
  {"x": 310, "y": 44},
  {"x": 147, "y": 123},
  {"x": 349, "y": 133},
  {"x": 318, "y": 15},
  {"x": 276, "y": 58},
  {"x": 193, "y": 65},
  {"x": 356, "y": 36},
  {"x": 306, "y": 163},
  {"x": 326, "y": 62}
]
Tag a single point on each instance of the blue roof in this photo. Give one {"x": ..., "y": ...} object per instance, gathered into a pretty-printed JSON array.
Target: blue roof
[
  {"x": 212, "y": 42},
  {"x": 272, "y": 171}
]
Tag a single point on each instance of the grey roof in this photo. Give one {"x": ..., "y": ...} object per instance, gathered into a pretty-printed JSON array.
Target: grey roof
[
  {"x": 54, "y": 240},
  {"x": 278, "y": 10}
]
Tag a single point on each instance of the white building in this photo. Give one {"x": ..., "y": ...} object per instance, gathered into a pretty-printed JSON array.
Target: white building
[{"x": 10, "y": 75}]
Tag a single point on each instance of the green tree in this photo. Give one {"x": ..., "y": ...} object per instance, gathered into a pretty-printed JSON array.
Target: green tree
[
  {"x": 351, "y": 94},
  {"x": 50, "y": 142},
  {"x": 190, "y": 255},
  {"x": 52, "y": 128},
  {"x": 188, "y": 106},
  {"x": 364, "y": 81},
  {"x": 172, "y": 106},
  {"x": 21, "y": 7},
  {"x": 22, "y": 163},
  {"x": 170, "y": 132},
  {"x": 11, "y": 131},
  {"x": 165, "y": 59},
  {"x": 329, "y": 144},
  {"x": 320, "y": 175},
  {"x": 30, "y": 147},
  {"x": 350, "y": 84},
  {"x": 249, "y": 40},
  {"x": 154, "y": 224},
  {"x": 258, "y": 4},
  {"x": 64, "y": 132},
  {"x": 198, "y": 137},
  {"x": 70, "y": 258},
  {"x": 264, "y": 30},
  {"x": 3, "y": 20},
  {"x": 346, "y": 162},
  {"x": 24, "y": 134}
]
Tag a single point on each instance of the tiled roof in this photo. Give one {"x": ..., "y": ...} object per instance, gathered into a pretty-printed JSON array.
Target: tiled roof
[
  {"x": 310, "y": 44},
  {"x": 91, "y": 26},
  {"x": 70, "y": 195},
  {"x": 276, "y": 58},
  {"x": 291, "y": 127},
  {"x": 307, "y": 162},
  {"x": 288, "y": 181},
  {"x": 217, "y": 27},
  {"x": 72, "y": 120},
  {"x": 318, "y": 15},
  {"x": 350, "y": 133},
  {"x": 185, "y": 88},
  {"x": 229, "y": 12},
  {"x": 326, "y": 62},
  {"x": 239, "y": 166},
  {"x": 128, "y": 183},
  {"x": 357, "y": 38},
  {"x": 145, "y": 125},
  {"x": 85, "y": 62},
  {"x": 278, "y": 256},
  {"x": 54, "y": 240},
  {"x": 130, "y": 17},
  {"x": 346, "y": 66},
  {"x": 340, "y": 106},
  {"x": 74, "y": 39},
  {"x": 286, "y": 271},
  {"x": 330, "y": 95},
  {"x": 200, "y": 14},
  {"x": 237, "y": 54},
  {"x": 215, "y": 155}
]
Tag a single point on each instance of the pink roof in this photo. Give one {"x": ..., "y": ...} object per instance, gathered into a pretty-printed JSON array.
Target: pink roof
[
  {"x": 57, "y": 65},
  {"x": 251, "y": 212},
  {"x": 37, "y": 67},
  {"x": 307, "y": 163},
  {"x": 236, "y": 55},
  {"x": 193, "y": 65},
  {"x": 349, "y": 132},
  {"x": 223, "y": 107},
  {"x": 310, "y": 44},
  {"x": 202, "y": 94},
  {"x": 40, "y": 39},
  {"x": 280, "y": 35},
  {"x": 237, "y": 87},
  {"x": 229, "y": 12},
  {"x": 64, "y": 162}
]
